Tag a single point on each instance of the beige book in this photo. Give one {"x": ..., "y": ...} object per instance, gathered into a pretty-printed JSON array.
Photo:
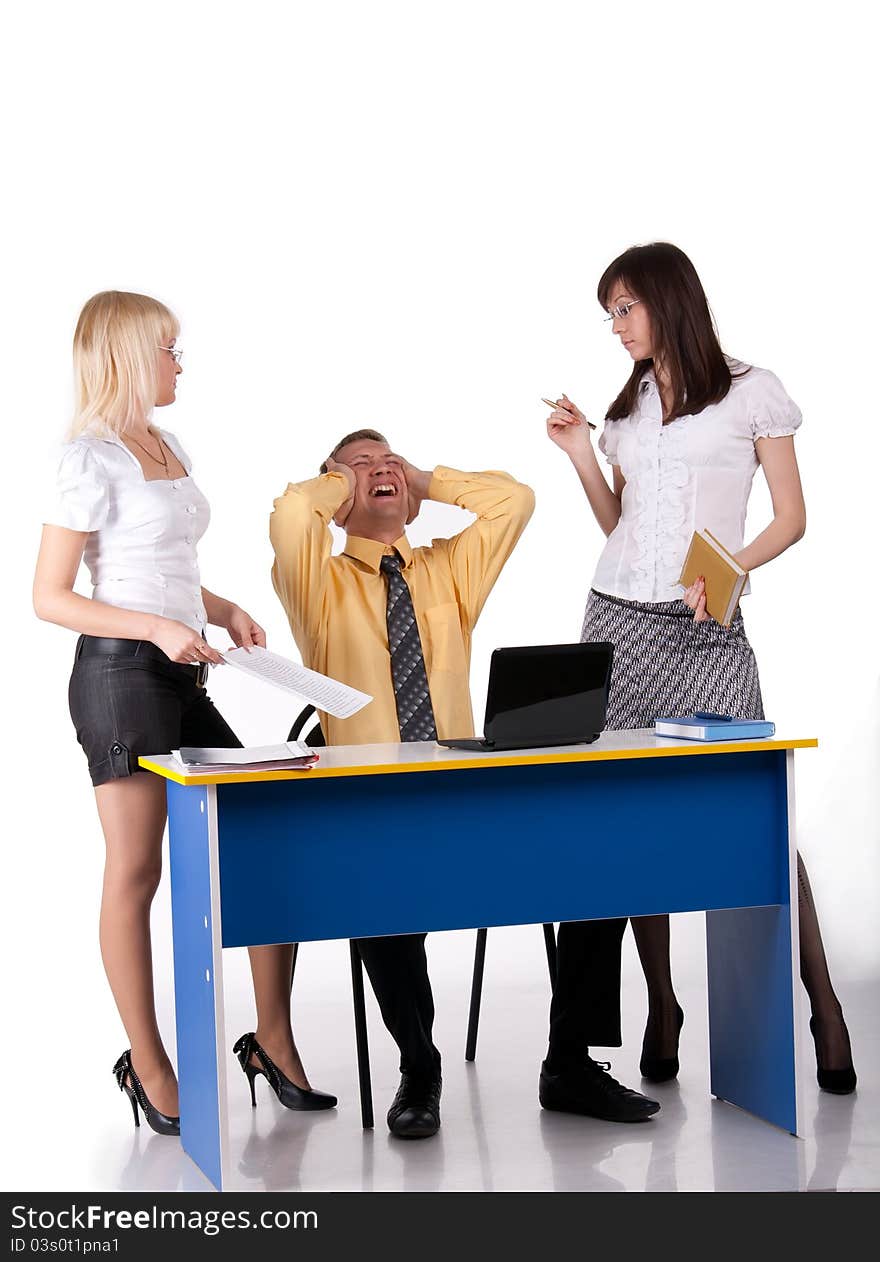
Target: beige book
[{"x": 725, "y": 578}]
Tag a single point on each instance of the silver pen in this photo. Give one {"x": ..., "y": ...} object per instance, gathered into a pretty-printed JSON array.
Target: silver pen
[{"x": 553, "y": 405}]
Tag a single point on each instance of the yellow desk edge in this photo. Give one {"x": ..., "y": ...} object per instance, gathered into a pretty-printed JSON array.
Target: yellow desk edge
[{"x": 511, "y": 759}]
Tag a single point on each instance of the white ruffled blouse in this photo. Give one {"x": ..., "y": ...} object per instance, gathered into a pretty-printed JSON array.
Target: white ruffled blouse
[
  {"x": 693, "y": 474},
  {"x": 143, "y": 535}
]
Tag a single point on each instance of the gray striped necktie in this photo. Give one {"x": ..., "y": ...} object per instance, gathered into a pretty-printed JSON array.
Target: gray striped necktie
[{"x": 415, "y": 714}]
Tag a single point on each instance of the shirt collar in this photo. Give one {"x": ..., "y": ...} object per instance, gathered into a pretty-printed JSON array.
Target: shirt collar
[
  {"x": 370, "y": 551},
  {"x": 108, "y": 435}
]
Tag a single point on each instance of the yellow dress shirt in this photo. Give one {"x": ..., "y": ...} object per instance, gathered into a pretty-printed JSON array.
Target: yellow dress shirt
[{"x": 336, "y": 604}]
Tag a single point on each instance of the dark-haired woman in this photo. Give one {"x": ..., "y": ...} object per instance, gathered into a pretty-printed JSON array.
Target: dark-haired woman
[{"x": 684, "y": 438}]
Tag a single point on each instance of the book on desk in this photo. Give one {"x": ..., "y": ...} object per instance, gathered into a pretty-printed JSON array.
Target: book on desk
[{"x": 707, "y": 726}]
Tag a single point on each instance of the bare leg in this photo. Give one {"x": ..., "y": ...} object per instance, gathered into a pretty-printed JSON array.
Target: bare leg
[
  {"x": 662, "y": 1029},
  {"x": 830, "y": 1032},
  {"x": 271, "y": 968},
  {"x": 132, "y": 814}
]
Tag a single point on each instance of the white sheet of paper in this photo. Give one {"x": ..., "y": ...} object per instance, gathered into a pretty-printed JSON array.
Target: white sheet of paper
[
  {"x": 321, "y": 691},
  {"x": 198, "y": 757}
]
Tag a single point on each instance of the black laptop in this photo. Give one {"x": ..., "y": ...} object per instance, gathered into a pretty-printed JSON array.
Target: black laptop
[{"x": 545, "y": 694}]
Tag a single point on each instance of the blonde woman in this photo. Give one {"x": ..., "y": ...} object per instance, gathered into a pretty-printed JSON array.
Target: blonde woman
[{"x": 127, "y": 503}]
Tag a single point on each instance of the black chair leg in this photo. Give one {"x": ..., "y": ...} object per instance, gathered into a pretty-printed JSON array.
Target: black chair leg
[
  {"x": 550, "y": 947},
  {"x": 360, "y": 1030},
  {"x": 470, "y": 1051}
]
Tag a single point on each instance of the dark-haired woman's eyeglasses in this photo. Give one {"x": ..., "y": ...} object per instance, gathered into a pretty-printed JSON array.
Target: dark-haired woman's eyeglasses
[
  {"x": 175, "y": 354},
  {"x": 621, "y": 312}
]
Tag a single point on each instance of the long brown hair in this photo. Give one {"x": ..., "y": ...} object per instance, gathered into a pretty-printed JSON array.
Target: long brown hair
[{"x": 683, "y": 331}]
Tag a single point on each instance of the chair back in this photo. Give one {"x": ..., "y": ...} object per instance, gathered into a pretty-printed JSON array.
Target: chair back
[{"x": 314, "y": 737}]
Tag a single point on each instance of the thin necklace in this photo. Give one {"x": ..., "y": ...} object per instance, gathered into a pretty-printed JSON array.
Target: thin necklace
[{"x": 161, "y": 459}]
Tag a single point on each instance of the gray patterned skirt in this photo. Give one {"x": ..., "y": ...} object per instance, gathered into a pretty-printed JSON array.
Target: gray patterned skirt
[{"x": 666, "y": 664}]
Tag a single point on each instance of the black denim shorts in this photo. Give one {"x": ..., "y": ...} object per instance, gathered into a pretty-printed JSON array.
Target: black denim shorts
[{"x": 123, "y": 707}]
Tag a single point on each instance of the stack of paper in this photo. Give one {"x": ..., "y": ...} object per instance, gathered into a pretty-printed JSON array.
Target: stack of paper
[{"x": 290, "y": 756}]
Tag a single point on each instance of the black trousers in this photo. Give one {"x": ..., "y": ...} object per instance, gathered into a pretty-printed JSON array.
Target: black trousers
[
  {"x": 398, "y": 971},
  {"x": 585, "y": 1008},
  {"x": 584, "y": 1011}
]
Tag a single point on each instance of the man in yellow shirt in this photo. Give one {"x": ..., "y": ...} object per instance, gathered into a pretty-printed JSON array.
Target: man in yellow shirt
[
  {"x": 337, "y": 605},
  {"x": 346, "y": 610},
  {"x": 396, "y": 622}
]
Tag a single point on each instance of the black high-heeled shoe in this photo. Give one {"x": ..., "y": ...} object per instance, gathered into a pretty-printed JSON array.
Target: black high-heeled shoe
[
  {"x": 660, "y": 1068},
  {"x": 837, "y": 1081},
  {"x": 290, "y": 1095},
  {"x": 161, "y": 1123}
]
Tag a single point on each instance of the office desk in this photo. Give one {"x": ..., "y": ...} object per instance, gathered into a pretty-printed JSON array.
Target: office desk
[{"x": 629, "y": 826}]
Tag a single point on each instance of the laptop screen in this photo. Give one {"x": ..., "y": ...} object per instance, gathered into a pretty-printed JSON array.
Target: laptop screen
[{"x": 548, "y": 694}]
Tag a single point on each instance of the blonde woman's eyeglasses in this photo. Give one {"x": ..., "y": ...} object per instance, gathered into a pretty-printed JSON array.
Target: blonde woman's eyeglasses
[
  {"x": 621, "y": 312},
  {"x": 175, "y": 354}
]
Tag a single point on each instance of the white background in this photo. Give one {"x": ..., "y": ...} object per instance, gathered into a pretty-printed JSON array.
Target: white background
[{"x": 395, "y": 215}]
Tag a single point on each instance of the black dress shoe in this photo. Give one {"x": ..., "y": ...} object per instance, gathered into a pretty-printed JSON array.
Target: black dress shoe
[
  {"x": 415, "y": 1110},
  {"x": 589, "y": 1089}
]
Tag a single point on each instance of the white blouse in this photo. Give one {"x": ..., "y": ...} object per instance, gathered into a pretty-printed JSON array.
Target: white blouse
[
  {"x": 693, "y": 474},
  {"x": 141, "y": 549}
]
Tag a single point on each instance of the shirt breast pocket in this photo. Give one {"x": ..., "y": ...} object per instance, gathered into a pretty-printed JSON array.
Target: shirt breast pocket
[{"x": 446, "y": 644}]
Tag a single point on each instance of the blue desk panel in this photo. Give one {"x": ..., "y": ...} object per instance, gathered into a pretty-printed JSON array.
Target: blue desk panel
[
  {"x": 751, "y": 999},
  {"x": 342, "y": 857},
  {"x": 194, "y": 981}
]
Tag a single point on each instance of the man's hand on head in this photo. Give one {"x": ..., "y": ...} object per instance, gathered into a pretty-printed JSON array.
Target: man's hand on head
[
  {"x": 342, "y": 512},
  {"x": 418, "y": 482}
]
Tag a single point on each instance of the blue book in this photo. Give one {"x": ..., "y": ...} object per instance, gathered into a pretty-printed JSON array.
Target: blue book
[{"x": 704, "y": 726}]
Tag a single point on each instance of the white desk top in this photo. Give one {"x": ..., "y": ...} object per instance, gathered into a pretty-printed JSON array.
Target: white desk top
[{"x": 366, "y": 760}]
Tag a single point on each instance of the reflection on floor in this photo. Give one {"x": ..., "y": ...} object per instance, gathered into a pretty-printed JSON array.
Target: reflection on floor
[{"x": 494, "y": 1135}]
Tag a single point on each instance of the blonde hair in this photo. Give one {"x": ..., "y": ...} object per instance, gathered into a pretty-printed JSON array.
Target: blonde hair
[{"x": 114, "y": 359}]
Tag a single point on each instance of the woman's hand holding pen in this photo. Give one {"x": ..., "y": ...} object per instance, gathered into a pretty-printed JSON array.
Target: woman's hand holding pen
[
  {"x": 566, "y": 425},
  {"x": 569, "y": 429}
]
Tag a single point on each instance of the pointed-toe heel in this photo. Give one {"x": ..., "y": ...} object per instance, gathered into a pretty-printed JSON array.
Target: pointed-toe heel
[
  {"x": 837, "y": 1081},
  {"x": 161, "y": 1123},
  {"x": 661, "y": 1068},
  {"x": 290, "y": 1095}
]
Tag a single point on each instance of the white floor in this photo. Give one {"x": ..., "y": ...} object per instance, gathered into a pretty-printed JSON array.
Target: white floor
[{"x": 494, "y": 1135}]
